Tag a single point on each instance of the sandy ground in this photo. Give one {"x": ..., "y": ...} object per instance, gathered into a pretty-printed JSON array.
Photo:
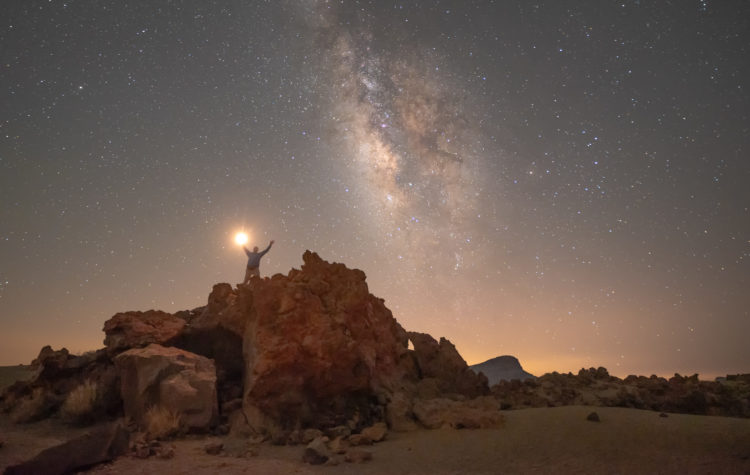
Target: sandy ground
[{"x": 548, "y": 440}]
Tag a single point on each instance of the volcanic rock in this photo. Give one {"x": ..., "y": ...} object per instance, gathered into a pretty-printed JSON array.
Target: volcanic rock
[
  {"x": 502, "y": 368},
  {"x": 58, "y": 373},
  {"x": 319, "y": 349},
  {"x": 442, "y": 363},
  {"x": 216, "y": 331},
  {"x": 593, "y": 417},
  {"x": 100, "y": 445},
  {"x": 479, "y": 413},
  {"x": 399, "y": 414},
  {"x": 176, "y": 380},
  {"x": 137, "y": 329},
  {"x": 376, "y": 432},
  {"x": 50, "y": 361},
  {"x": 316, "y": 452}
]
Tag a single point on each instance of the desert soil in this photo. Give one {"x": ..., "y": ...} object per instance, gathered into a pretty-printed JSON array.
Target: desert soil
[{"x": 548, "y": 440}]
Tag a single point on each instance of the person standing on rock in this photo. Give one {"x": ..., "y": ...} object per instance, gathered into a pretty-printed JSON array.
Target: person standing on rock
[{"x": 253, "y": 261}]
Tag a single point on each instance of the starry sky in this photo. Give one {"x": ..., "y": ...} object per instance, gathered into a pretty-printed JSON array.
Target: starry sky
[{"x": 566, "y": 182}]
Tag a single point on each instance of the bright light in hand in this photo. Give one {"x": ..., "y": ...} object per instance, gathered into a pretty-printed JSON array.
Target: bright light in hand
[{"x": 240, "y": 238}]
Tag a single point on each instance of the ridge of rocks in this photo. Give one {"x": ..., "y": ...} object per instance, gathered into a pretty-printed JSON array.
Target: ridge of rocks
[{"x": 310, "y": 349}]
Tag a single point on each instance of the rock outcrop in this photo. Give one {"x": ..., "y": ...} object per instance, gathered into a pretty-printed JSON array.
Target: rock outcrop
[
  {"x": 311, "y": 349},
  {"x": 137, "y": 329},
  {"x": 502, "y": 368},
  {"x": 442, "y": 367},
  {"x": 57, "y": 375},
  {"x": 479, "y": 413},
  {"x": 320, "y": 350},
  {"x": 178, "y": 382}
]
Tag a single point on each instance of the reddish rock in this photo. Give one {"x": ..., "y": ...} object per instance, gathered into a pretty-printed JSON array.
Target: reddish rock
[
  {"x": 49, "y": 360},
  {"x": 376, "y": 432},
  {"x": 137, "y": 329},
  {"x": 442, "y": 363},
  {"x": 216, "y": 331},
  {"x": 398, "y": 413},
  {"x": 227, "y": 308},
  {"x": 319, "y": 348},
  {"x": 176, "y": 380}
]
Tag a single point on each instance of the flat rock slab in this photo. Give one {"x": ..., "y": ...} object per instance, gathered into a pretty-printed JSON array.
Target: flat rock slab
[{"x": 100, "y": 445}]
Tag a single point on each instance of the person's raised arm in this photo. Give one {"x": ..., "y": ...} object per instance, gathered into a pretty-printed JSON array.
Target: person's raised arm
[
  {"x": 268, "y": 248},
  {"x": 247, "y": 251}
]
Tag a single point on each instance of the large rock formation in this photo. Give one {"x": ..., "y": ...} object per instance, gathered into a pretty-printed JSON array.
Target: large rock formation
[
  {"x": 502, "y": 368},
  {"x": 320, "y": 350},
  {"x": 309, "y": 349},
  {"x": 170, "y": 379}
]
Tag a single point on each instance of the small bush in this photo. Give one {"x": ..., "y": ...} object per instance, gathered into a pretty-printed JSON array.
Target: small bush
[
  {"x": 80, "y": 405},
  {"x": 161, "y": 422}
]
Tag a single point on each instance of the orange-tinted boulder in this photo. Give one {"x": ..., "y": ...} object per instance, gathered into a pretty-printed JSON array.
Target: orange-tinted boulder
[{"x": 137, "y": 329}]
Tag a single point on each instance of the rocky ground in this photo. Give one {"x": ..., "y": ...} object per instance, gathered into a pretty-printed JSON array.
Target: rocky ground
[
  {"x": 728, "y": 396},
  {"x": 546, "y": 440}
]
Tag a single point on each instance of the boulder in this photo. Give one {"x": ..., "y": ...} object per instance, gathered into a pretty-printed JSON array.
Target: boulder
[
  {"x": 442, "y": 362},
  {"x": 178, "y": 381},
  {"x": 479, "y": 413},
  {"x": 137, "y": 329},
  {"x": 376, "y": 432},
  {"x": 398, "y": 413},
  {"x": 316, "y": 452},
  {"x": 319, "y": 349},
  {"x": 97, "y": 446},
  {"x": 593, "y": 417}
]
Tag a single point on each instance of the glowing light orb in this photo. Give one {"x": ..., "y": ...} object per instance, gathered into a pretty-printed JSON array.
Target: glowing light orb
[{"x": 240, "y": 238}]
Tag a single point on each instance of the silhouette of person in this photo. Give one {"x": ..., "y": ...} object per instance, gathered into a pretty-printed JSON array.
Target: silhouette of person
[{"x": 253, "y": 261}]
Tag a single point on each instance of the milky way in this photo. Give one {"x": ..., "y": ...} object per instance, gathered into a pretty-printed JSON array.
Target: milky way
[
  {"x": 563, "y": 183},
  {"x": 411, "y": 151}
]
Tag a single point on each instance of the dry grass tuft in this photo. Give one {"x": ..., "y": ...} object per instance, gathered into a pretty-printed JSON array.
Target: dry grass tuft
[
  {"x": 162, "y": 423},
  {"x": 30, "y": 409},
  {"x": 80, "y": 404}
]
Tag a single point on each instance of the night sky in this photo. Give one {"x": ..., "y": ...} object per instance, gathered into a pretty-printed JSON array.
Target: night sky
[{"x": 566, "y": 182}]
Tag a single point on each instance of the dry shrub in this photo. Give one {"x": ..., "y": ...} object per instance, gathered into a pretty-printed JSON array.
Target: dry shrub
[
  {"x": 30, "y": 409},
  {"x": 162, "y": 422},
  {"x": 80, "y": 404}
]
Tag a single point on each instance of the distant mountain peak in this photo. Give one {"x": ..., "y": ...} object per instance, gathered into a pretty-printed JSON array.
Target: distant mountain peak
[{"x": 500, "y": 368}]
